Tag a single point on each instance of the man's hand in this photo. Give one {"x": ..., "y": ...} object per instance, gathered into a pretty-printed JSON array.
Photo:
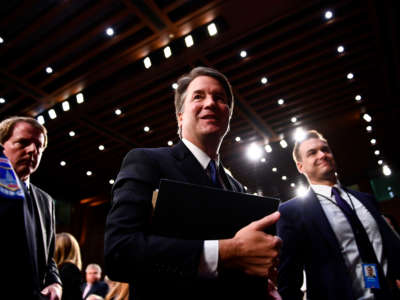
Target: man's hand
[
  {"x": 53, "y": 291},
  {"x": 251, "y": 249}
]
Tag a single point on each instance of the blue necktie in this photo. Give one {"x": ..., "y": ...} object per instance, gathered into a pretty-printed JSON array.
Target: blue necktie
[
  {"x": 214, "y": 174},
  {"x": 365, "y": 248}
]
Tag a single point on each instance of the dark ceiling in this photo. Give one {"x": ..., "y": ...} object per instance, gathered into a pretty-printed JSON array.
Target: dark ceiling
[{"x": 287, "y": 41}]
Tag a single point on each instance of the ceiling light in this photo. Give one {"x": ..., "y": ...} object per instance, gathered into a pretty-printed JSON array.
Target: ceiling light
[
  {"x": 71, "y": 133},
  {"x": 328, "y": 14},
  {"x": 386, "y": 170},
  {"x": 110, "y": 31},
  {"x": 254, "y": 152},
  {"x": 358, "y": 97},
  {"x": 340, "y": 49},
  {"x": 263, "y": 159},
  {"x": 2, "y": 100},
  {"x": 146, "y": 128},
  {"x": 369, "y": 128},
  {"x": 377, "y": 152},
  {"x": 40, "y": 119},
  {"x": 350, "y": 76},
  {"x": 299, "y": 134},
  {"x": 189, "y": 41},
  {"x": 367, "y": 117},
  {"x": 111, "y": 181},
  {"x": 264, "y": 80},
  {"x": 170, "y": 143},
  {"x": 243, "y": 53},
  {"x": 373, "y": 141},
  {"x": 283, "y": 144},
  {"x": 174, "y": 85},
  {"x": 268, "y": 148},
  {"x": 274, "y": 169},
  {"x": 284, "y": 177},
  {"x": 301, "y": 191},
  {"x": 237, "y": 139},
  {"x": 293, "y": 120},
  {"x": 89, "y": 173},
  {"x": 101, "y": 147},
  {"x": 62, "y": 163},
  {"x": 118, "y": 112},
  {"x": 212, "y": 29},
  {"x": 281, "y": 101},
  {"x": 49, "y": 70},
  {"x": 52, "y": 114},
  {"x": 380, "y": 162},
  {"x": 65, "y": 106},
  {"x": 1, "y": 40},
  {"x": 147, "y": 62},
  {"x": 79, "y": 98},
  {"x": 167, "y": 52},
  {"x": 292, "y": 184}
]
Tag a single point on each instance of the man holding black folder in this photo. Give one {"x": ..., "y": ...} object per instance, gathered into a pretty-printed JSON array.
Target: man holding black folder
[{"x": 158, "y": 266}]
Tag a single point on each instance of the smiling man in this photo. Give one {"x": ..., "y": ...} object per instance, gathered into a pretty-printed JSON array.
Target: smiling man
[
  {"x": 29, "y": 266},
  {"x": 161, "y": 267},
  {"x": 333, "y": 233}
]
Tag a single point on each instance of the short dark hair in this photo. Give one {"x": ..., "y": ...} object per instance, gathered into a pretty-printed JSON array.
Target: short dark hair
[
  {"x": 310, "y": 134},
  {"x": 7, "y": 128},
  {"x": 186, "y": 79}
]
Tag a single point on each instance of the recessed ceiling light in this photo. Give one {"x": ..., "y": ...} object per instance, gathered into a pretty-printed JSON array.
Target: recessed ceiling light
[
  {"x": 1, "y": 40},
  {"x": 174, "y": 85},
  {"x": 377, "y": 152},
  {"x": 263, "y": 159},
  {"x": 283, "y": 144},
  {"x": 358, "y": 97},
  {"x": 79, "y": 98},
  {"x": 254, "y": 152},
  {"x": 237, "y": 139},
  {"x": 89, "y": 173},
  {"x": 2, "y": 100},
  {"x": 369, "y": 128},
  {"x": 284, "y": 177},
  {"x": 111, "y": 181},
  {"x": 170, "y": 143},
  {"x": 167, "y": 52},
  {"x": 373, "y": 141},
  {"x": 146, "y": 128},
  {"x": 301, "y": 191},
  {"x": 350, "y": 76},
  {"x": 292, "y": 184},
  {"x": 52, "y": 114},
  {"x": 367, "y": 118},
  {"x": 71, "y": 133},
  {"x": 49, "y": 70},
  {"x": 281, "y": 101},
  {"x": 243, "y": 53},
  {"x": 212, "y": 29},
  {"x": 380, "y": 162},
  {"x": 147, "y": 62},
  {"x": 268, "y": 148},
  {"x": 101, "y": 147},
  {"x": 340, "y": 49},
  {"x": 299, "y": 134},
  {"x": 274, "y": 169},
  {"x": 328, "y": 14},
  {"x": 110, "y": 31},
  {"x": 386, "y": 170},
  {"x": 293, "y": 120},
  {"x": 264, "y": 80},
  {"x": 189, "y": 41},
  {"x": 118, "y": 112},
  {"x": 65, "y": 106},
  {"x": 40, "y": 119},
  {"x": 62, "y": 163}
]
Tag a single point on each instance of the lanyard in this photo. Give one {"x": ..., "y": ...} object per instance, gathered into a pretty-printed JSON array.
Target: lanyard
[{"x": 330, "y": 200}]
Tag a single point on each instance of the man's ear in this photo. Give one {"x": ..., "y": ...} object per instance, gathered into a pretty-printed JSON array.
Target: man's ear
[
  {"x": 180, "y": 118},
  {"x": 299, "y": 166}
]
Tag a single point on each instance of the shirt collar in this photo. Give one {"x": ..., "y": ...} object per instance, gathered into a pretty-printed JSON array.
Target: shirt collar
[
  {"x": 325, "y": 190},
  {"x": 199, "y": 154}
]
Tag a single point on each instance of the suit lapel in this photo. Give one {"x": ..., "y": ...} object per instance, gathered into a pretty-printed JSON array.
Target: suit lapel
[{"x": 39, "y": 212}]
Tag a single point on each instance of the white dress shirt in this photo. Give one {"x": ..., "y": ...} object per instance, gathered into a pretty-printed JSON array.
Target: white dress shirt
[
  {"x": 209, "y": 259},
  {"x": 345, "y": 236}
]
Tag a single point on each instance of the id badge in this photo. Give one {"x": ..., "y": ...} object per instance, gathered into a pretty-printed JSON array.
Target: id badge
[{"x": 370, "y": 274}]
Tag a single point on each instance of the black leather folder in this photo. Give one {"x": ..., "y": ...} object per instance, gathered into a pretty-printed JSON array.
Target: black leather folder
[{"x": 190, "y": 211}]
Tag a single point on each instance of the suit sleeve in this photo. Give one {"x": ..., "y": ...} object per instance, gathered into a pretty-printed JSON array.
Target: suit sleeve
[
  {"x": 131, "y": 250},
  {"x": 51, "y": 275},
  {"x": 290, "y": 272}
]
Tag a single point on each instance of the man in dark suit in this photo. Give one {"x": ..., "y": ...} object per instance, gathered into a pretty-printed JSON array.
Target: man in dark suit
[
  {"x": 93, "y": 284},
  {"x": 29, "y": 271},
  {"x": 162, "y": 267},
  {"x": 331, "y": 240}
]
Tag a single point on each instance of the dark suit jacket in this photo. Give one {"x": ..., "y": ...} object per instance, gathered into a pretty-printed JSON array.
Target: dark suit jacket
[
  {"x": 71, "y": 278},
  {"x": 310, "y": 243},
  {"x": 99, "y": 288},
  {"x": 155, "y": 266}
]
